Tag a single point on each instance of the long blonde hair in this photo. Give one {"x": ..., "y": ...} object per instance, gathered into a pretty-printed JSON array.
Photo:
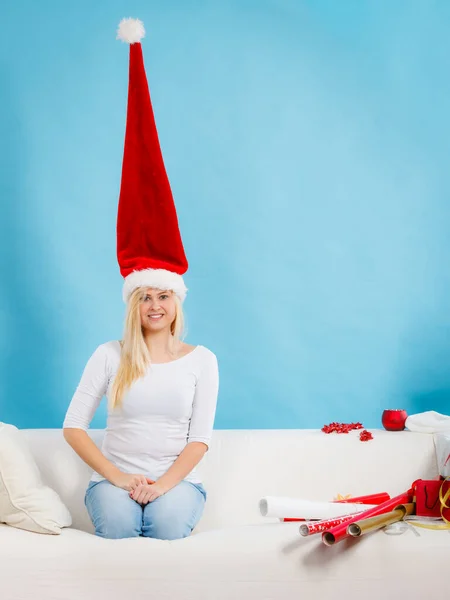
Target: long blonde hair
[{"x": 135, "y": 357}]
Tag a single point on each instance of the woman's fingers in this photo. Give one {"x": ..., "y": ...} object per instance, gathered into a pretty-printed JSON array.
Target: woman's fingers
[
  {"x": 135, "y": 491},
  {"x": 151, "y": 496},
  {"x": 148, "y": 497},
  {"x": 144, "y": 493}
]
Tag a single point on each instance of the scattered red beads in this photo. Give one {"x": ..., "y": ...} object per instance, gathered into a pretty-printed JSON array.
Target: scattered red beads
[
  {"x": 341, "y": 427},
  {"x": 365, "y": 436}
]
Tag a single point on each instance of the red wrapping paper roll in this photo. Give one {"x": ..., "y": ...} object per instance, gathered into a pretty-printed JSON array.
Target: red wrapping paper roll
[
  {"x": 338, "y": 533},
  {"x": 312, "y": 527},
  {"x": 369, "y": 499}
]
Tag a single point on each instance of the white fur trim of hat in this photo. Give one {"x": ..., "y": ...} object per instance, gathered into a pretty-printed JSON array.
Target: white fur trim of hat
[{"x": 161, "y": 279}]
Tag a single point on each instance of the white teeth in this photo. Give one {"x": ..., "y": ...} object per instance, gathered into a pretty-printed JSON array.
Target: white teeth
[{"x": 155, "y": 317}]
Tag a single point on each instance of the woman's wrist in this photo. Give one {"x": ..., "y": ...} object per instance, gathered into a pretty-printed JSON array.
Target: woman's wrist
[
  {"x": 112, "y": 474},
  {"x": 164, "y": 484}
]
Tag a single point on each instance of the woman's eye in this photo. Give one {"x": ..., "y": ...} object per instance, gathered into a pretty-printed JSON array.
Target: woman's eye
[{"x": 162, "y": 297}]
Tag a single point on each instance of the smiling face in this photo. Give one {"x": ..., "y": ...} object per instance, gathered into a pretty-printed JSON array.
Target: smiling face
[{"x": 157, "y": 309}]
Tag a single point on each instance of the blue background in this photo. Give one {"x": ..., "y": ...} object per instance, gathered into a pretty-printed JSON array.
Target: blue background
[{"x": 307, "y": 143}]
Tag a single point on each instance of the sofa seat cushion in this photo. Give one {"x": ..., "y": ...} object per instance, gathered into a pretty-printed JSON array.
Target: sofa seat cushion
[{"x": 241, "y": 562}]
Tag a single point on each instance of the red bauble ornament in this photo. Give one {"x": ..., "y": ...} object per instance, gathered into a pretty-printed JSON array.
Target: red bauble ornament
[{"x": 394, "y": 419}]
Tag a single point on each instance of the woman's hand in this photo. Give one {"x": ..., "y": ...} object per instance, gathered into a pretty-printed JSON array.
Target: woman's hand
[
  {"x": 129, "y": 482},
  {"x": 146, "y": 493}
]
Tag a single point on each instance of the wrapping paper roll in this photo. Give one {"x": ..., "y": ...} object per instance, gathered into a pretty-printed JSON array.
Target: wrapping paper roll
[
  {"x": 312, "y": 527},
  {"x": 369, "y": 499},
  {"x": 362, "y": 526},
  {"x": 291, "y": 508},
  {"x": 372, "y": 499},
  {"x": 338, "y": 533}
]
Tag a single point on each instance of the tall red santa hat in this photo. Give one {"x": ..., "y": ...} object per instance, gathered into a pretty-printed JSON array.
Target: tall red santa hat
[{"x": 149, "y": 247}]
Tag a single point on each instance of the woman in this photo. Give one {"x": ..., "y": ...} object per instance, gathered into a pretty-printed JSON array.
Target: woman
[
  {"x": 162, "y": 392},
  {"x": 162, "y": 396}
]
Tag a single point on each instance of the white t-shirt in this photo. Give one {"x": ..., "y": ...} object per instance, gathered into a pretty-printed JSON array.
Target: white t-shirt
[{"x": 173, "y": 404}]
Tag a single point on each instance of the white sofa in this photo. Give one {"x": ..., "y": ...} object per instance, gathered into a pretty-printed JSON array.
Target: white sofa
[{"x": 234, "y": 552}]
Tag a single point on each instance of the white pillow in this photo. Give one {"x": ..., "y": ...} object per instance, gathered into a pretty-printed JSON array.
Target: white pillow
[{"x": 24, "y": 501}]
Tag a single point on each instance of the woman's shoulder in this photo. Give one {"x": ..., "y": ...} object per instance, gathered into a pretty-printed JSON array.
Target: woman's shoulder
[
  {"x": 205, "y": 353},
  {"x": 110, "y": 349},
  {"x": 197, "y": 353}
]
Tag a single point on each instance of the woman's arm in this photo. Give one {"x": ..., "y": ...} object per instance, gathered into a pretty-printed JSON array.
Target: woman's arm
[
  {"x": 88, "y": 451},
  {"x": 85, "y": 401},
  {"x": 200, "y": 426},
  {"x": 93, "y": 457},
  {"x": 189, "y": 458}
]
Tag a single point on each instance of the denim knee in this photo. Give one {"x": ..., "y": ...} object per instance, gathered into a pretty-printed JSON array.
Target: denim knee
[
  {"x": 113, "y": 513},
  {"x": 167, "y": 530},
  {"x": 175, "y": 514}
]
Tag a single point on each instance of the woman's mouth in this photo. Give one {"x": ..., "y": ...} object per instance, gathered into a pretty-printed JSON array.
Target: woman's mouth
[{"x": 155, "y": 317}]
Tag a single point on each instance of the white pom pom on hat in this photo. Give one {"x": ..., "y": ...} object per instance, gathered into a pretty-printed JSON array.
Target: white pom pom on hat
[{"x": 130, "y": 31}]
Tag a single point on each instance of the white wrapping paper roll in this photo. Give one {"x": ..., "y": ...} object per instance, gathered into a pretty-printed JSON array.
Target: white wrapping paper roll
[{"x": 296, "y": 508}]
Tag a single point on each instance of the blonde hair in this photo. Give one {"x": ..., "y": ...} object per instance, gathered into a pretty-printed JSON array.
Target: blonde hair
[{"x": 135, "y": 357}]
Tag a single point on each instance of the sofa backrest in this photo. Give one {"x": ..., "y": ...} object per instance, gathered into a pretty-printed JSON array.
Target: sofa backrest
[{"x": 242, "y": 466}]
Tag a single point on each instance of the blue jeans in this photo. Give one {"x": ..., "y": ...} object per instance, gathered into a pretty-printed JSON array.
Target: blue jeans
[{"x": 171, "y": 516}]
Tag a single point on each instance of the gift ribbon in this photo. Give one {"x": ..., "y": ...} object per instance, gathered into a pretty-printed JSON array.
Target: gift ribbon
[
  {"x": 443, "y": 500},
  {"x": 411, "y": 521}
]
